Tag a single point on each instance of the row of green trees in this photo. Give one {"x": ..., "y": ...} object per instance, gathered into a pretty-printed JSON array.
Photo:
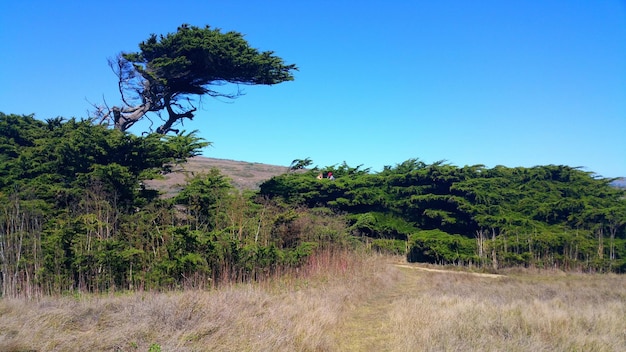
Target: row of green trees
[
  {"x": 75, "y": 215},
  {"x": 545, "y": 216}
]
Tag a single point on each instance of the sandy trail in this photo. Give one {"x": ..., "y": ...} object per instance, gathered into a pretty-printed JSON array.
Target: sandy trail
[{"x": 419, "y": 268}]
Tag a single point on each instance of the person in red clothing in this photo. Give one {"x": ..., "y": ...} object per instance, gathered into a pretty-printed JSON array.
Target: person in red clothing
[{"x": 330, "y": 176}]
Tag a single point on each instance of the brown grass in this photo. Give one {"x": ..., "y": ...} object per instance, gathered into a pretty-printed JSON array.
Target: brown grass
[
  {"x": 292, "y": 313},
  {"x": 338, "y": 302},
  {"x": 540, "y": 312},
  {"x": 244, "y": 175}
]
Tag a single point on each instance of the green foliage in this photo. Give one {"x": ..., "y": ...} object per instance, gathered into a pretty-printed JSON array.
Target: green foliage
[
  {"x": 183, "y": 146},
  {"x": 203, "y": 195},
  {"x": 192, "y": 61},
  {"x": 299, "y": 164},
  {"x": 57, "y": 161},
  {"x": 381, "y": 225},
  {"x": 387, "y": 246},
  {"x": 550, "y": 215},
  {"x": 438, "y": 247},
  {"x": 75, "y": 216}
]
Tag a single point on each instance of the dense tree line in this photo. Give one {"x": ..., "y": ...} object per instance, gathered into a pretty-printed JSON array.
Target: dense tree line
[
  {"x": 543, "y": 216},
  {"x": 75, "y": 215}
]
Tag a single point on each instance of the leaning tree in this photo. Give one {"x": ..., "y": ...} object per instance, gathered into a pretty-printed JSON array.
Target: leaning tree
[{"x": 169, "y": 70}]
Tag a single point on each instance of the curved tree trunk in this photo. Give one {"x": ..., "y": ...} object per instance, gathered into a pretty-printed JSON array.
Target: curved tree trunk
[{"x": 173, "y": 117}]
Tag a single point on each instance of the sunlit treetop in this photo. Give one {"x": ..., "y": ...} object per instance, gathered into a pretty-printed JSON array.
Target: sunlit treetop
[{"x": 171, "y": 68}]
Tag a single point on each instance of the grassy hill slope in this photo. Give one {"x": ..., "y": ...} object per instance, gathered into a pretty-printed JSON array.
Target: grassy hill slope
[{"x": 244, "y": 175}]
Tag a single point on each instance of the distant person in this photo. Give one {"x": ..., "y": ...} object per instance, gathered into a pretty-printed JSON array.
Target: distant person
[{"x": 330, "y": 176}]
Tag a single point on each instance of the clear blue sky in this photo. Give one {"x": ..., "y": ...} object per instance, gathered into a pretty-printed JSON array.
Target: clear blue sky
[{"x": 514, "y": 83}]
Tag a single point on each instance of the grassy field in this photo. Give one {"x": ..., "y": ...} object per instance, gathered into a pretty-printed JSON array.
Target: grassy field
[{"x": 338, "y": 302}]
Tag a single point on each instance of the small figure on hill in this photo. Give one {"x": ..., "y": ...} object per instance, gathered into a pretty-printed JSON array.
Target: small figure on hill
[{"x": 330, "y": 176}]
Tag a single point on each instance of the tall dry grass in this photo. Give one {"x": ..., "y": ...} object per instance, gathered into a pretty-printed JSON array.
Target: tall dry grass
[
  {"x": 292, "y": 313},
  {"x": 338, "y": 302},
  {"x": 537, "y": 312}
]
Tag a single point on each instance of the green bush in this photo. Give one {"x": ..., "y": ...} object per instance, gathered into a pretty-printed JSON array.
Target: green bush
[
  {"x": 438, "y": 247},
  {"x": 394, "y": 247}
]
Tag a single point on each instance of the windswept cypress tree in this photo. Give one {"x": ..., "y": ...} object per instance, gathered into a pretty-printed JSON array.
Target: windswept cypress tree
[{"x": 169, "y": 70}]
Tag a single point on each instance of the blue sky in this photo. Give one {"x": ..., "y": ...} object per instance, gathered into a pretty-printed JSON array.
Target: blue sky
[{"x": 514, "y": 83}]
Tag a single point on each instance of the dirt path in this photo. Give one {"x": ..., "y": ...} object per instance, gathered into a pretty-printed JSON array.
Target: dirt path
[
  {"x": 419, "y": 268},
  {"x": 368, "y": 328}
]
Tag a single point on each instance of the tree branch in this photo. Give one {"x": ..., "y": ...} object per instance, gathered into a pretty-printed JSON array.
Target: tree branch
[{"x": 174, "y": 117}]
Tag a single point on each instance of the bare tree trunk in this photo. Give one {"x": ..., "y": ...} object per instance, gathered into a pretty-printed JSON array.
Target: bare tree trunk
[
  {"x": 494, "y": 258},
  {"x": 480, "y": 244},
  {"x": 18, "y": 227},
  {"x": 612, "y": 233},
  {"x": 612, "y": 247},
  {"x": 600, "y": 233}
]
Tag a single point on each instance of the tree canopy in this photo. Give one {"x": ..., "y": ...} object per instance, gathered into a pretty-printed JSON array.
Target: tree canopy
[
  {"x": 552, "y": 215},
  {"x": 168, "y": 70},
  {"x": 77, "y": 212}
]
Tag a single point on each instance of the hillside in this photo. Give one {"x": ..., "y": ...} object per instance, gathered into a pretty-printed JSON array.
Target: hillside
[
  {"x": 244, "y": 175},
  {"x": 619, "y": 183}
]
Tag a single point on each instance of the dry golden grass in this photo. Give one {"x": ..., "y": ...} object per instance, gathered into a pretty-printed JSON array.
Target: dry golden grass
[
  {"x": 292, "y": 313},
  {"x": 339, "y": 302},
  {"x": 244, "y": 175},
  {"x": 537, "y": 312}
]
